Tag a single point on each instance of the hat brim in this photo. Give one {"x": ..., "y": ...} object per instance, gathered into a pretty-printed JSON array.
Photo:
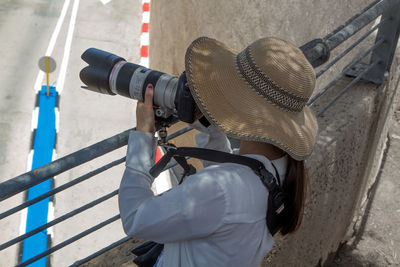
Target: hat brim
[{"x": 231, "y": 105}]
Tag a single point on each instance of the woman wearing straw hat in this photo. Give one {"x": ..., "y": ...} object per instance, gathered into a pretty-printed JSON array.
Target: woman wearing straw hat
[{"x": 217, "y": 216}]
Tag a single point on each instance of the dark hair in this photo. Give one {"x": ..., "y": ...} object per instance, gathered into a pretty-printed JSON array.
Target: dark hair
[{"x": 295, "y": 185}]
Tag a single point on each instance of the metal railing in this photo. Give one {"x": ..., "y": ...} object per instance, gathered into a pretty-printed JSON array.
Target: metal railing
[{"x": 316, "y": 51}]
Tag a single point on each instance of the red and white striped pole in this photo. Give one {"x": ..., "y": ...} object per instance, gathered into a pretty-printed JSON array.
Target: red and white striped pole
[
  {"x": 163, "y": 182},
  {"x": 144, "y": 37}
]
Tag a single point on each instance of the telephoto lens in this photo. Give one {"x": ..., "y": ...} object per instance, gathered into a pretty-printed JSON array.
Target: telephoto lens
[{"x": 113, "y": 75}]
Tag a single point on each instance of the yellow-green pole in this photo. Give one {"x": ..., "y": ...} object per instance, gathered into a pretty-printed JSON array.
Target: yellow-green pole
[{"x": 47, "y": 75}]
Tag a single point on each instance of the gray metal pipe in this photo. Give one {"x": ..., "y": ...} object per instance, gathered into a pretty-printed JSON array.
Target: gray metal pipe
[
  {"x": 69, "y": 241},
  {"x": 36, "y": 176},
  {"x": 100, "y": 252},
  {"x": 358, "y": 23},
  {"x": 62, "y": 187},
  {"x": 351, "y": 19},
  {"x": 319, "y": 53},
  {"x": 344, "y": 90}
]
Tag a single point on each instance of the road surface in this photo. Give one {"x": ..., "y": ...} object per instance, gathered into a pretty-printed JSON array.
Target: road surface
[{"x": 26, "y": 30}]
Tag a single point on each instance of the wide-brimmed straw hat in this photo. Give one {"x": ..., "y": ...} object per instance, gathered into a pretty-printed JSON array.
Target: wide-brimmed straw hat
[{"x": 259, "y": 94}]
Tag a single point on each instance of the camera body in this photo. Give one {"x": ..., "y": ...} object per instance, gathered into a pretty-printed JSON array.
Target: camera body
[{"x": 113, "y": 75}]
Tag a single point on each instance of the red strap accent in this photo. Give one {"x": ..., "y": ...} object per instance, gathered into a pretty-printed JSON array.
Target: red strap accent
[{"x": 158, "y": 154}]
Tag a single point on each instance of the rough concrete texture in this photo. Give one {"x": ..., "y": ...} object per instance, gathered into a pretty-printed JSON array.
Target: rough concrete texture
[
  {"x": 238, "y": 23},
  {"x": 374, "y": 239}
]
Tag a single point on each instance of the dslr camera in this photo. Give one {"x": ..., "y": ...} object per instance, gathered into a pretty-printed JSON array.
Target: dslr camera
[{"x": 113, "y": 75}]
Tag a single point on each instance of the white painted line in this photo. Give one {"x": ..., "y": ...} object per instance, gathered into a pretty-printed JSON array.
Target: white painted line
[
  {"x": 145, "y": 1},
  {"x": 35, "y": 118},
  {"x": 54, "y": 155},
  {"x": 146, "y": 17},
  {"x": 35, "y": 113},
  {"x": 53, "y": 39},
  {"x": 105, "y": 2},
  {"x": 22, "y": 223},
  {"x": 56, "y": 31},
  {"x": 144, "y": 39},
  {"x": 67, "y": 48},
  {"x": 29, "y": 161},
  {"x": 50, "y": 217},
  {"x": 144, "y": 61},
  {"x": 57, "y": 113}
]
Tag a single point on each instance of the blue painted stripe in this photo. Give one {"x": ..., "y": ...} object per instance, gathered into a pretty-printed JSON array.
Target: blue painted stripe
[{"x": 43, "y": 146}]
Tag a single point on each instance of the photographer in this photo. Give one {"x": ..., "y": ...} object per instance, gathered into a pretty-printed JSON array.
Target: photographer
[{"x": 217, "y": 217}]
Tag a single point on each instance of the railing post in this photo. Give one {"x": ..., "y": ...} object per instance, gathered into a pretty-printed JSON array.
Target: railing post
[{"x": 389, "y": 32}]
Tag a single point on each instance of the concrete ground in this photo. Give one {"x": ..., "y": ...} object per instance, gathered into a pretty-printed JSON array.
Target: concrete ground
[{"x": 376, "y": 239}]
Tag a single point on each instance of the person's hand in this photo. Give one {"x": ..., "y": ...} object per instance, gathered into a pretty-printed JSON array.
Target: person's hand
[{"x": 144, "y": 112}]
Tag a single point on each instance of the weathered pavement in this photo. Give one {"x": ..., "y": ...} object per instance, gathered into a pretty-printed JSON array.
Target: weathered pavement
[{"x": 376, "y": 240}]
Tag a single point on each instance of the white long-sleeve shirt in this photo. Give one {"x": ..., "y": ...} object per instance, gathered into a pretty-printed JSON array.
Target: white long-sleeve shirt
[{"x": 214, "y": 218}]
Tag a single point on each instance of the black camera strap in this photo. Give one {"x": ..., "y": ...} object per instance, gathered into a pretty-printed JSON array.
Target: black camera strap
[{"x": 276, "y": 199}]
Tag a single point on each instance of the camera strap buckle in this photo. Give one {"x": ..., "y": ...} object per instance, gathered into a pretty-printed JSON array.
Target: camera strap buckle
[{"x": 172, "y": 152}]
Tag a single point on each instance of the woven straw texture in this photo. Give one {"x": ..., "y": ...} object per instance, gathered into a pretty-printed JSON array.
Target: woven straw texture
[{"x": 224, "y": 95}]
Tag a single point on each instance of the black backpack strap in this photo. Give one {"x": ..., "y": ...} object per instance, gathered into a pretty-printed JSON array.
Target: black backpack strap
[
  {"x": 188, "y": 169},
  {"x": 216, "y": 156},
  {"x": 277, "y": 174},
  {"x": 203, "y": 154}
]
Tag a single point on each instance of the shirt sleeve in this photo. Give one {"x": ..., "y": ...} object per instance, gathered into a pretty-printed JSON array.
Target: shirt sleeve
[{"x": 191, "y": 210}]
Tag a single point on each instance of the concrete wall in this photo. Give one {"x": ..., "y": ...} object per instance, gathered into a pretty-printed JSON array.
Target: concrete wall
[
  {"x": 352, "y": 133},
  {"x": 176, "y": 23}
]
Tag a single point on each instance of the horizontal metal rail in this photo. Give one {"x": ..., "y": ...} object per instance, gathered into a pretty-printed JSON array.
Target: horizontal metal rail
[
  {"x": 22, "y": 182},
  {"x": 69, "y": 215},
  {"x": 345, "y": 52},
  {"x": 352, "y": 19},
  {"x": 342, "y": 74},
  {"x": 178, "y": 133},
  {"x": 62, "y": 187},
  {"x": 322, "y": 49},
  {"x": 69, "y": 241},
  {"x": 58, "y": 220},
  {"x": 36, "y": 176},
  {"x": 101, "y": 251},
  {"x": 347, "y": 87},
  {"x": 358, "y": 23}
]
